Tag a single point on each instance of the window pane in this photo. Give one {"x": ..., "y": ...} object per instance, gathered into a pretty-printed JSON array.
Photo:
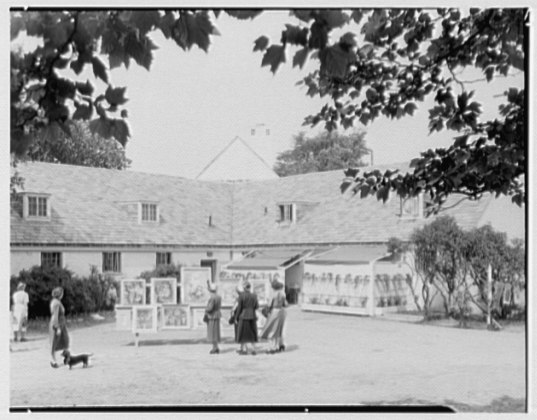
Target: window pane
[{"x": 32, "y": 206}]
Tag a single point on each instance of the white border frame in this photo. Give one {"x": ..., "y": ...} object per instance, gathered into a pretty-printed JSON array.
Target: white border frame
[
  {"x": 140, "y": 308},
  {"x": 155, "y": 280},
  {"x": 174, "y": 327},
  {"x": 122, "y": 292}
]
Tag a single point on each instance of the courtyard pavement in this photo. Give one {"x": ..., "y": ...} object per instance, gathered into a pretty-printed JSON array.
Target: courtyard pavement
[{"x": 330, "y": 360}]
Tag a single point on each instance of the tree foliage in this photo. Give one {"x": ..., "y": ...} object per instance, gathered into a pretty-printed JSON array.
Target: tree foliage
[
  {"x": 324, "y": 152},
  {"x": 390, "y": 60},
  {"x": 453, "y": 263},
  {"x": 81, "y": 147},
  {"x": 45, "y": 85},
  {"x": 385, "y": 63}
]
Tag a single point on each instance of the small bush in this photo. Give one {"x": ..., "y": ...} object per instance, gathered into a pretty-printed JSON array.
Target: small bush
[{"x": 81, "y": 295}]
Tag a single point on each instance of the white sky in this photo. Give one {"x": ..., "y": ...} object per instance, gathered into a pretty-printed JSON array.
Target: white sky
[{"x": 191, "y": 104}]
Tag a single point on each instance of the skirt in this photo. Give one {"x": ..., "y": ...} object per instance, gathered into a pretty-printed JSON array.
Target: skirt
[
  {"x": 213, "y": 330},
  {"x": 274, "y": 325},
  {"x": 247, "y": 331},
  {"x": 59, "y": 341}
]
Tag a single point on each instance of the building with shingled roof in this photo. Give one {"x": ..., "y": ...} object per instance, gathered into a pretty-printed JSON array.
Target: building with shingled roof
[{"x": 126, "y": 222}]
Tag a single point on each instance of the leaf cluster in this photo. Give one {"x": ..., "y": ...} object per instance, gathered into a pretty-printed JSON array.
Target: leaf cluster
[
  {"x": 323, "y": 152},
  {"x": 389, "y": 61}
]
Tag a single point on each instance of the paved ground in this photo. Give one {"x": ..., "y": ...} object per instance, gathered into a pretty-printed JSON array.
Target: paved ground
[{"x": 331, "y": 359}]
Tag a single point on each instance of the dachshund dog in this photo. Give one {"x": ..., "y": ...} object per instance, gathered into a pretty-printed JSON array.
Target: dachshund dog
[{"x": 72, "y": 359}]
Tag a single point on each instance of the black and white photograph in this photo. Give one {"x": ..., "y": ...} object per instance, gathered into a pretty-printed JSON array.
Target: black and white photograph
[{"x": 336, "y": 198}]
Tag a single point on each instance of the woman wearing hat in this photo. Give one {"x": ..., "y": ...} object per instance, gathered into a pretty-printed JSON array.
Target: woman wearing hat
[
  {"x": 59, "y": 338},
  {"x": 276, "y": 320},
  {"x": 247, "y": 328},
  {"x": 20, "y": 311},
  {"x": 213, "y": 315}
]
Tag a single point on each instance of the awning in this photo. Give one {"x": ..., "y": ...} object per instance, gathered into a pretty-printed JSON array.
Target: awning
[
  {"x": 350, "y": 254},
  {"x": 269, "y": 260}
]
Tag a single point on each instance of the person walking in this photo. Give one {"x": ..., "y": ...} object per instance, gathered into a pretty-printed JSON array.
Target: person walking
[
  {"x": 59, "y": 337},
  {"x": 213, "y": 315},
  {"x": 20, "y": 312},
  {"x": 273, "y": 329},
  {"x": 247, "y": 327}
]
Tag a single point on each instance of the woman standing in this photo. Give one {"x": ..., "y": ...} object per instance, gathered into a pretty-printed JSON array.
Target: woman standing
[
  {"x": 247, "y": 328},
  {"x": 20, "y": 311},
  {"x": 276, "y": 320},
  {"x": 59, "y": 338},
  {"x": 234, "y": 316},
  {"x": 213, "y": 315}
]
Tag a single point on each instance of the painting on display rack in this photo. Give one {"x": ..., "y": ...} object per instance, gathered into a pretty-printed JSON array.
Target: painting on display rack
[
  {"x": 194, "y": 281},
  {"x": 259, "y": 279},
  {"x": 197, "y": 318},
  {"x": 145, "y": 319},
  {"x": 175, "y": 316},
  {"x": 123, "y": 316},
  {"x": 163, "y": 290},
  {"x": 132, "y": 292}
]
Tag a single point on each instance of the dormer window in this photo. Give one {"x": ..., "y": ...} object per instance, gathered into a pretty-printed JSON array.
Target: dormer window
[
  {"x": 36, "y": 206},
  {"x": 412, "y": 207},
  {"x": 287, "y": 213},
  {"x": 149, "y": 212}
]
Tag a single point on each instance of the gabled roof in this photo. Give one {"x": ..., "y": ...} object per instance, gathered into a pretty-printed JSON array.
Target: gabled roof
[
  {"x": 237, "y": 161},
  {"x": 90, "y": 207}
]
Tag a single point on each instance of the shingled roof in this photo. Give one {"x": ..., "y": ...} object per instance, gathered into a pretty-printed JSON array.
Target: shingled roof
[{"x": 90, "y": 207}]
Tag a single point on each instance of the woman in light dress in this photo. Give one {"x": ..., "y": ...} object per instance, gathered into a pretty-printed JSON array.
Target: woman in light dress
[
  {"x": 274, "y": 326},
  {"x": 20, "y": 311},
  {"x": 59, "y": 338}
]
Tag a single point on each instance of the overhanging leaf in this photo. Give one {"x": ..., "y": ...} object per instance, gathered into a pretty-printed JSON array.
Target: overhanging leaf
[
  {"x": 99, "y": 69},
  {"x": 260, "y": 44},
  {"x": 300, "y": 57},
  {"x": 115, "y": 96},
  {"x": 274, "y": 56}
]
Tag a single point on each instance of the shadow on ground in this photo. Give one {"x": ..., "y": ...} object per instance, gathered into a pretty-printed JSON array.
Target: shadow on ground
[{"x": 503, "y": 404}]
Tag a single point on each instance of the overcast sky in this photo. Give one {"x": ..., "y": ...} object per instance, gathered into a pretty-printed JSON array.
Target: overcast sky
[{"x": 191, "y": 104}]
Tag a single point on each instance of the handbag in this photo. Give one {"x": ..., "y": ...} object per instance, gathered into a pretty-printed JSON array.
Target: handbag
[
  {"x": 265, "y": 311},
  {"x": 205, "y": 318}
]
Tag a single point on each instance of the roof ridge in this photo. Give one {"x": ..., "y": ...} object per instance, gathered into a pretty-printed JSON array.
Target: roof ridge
[{"x": 236, "y": 138}]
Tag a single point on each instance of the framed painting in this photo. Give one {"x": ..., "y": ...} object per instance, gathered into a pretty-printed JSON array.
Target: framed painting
[
  {"x": 175, "y": 317},
  {"x": 123, "y": 318},
  {"x": 261, "y": 287},
  {"x": 227, "y": 289},
  {"x": 197, "y": 318},
  {"x": 163, "y": 290},
  {"x": 144, "y": 319},
  {"x": 132, "y": 292},
  {"x": 194, "y": 285}
]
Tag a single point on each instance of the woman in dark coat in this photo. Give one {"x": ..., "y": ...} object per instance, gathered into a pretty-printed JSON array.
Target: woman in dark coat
[
  {"x": 247, "y": 328},
  {"x": 59, "y": 338},
  {"x": 213, "y": 315}
]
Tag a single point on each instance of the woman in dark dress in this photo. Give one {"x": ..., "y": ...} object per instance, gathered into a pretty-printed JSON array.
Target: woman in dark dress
[
  {"x": 213, "y": 315},
  {"x": 247, "y": 328},
  {"x": 59, "y": 338}
]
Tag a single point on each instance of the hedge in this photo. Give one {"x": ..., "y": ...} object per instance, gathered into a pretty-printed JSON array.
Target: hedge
[{"x": 81, "y": 295}]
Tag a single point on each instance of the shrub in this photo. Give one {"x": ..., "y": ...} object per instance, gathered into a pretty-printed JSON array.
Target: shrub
[
  {"x": 39, "y": 284},
  {"x": 81, "y": 295}
]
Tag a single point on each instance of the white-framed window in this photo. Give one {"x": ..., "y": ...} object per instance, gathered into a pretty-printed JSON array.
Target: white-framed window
[
  {"x": 412, "y": 206},
  {"x": 149, "y": 212},
  {"x": 51, "y": 259},
  {"x": 111, "y": 262},
  {"x": 36, "y": 206},
  {"x": 164, "y": 258},
  {"x": 287, "y": 213}
]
